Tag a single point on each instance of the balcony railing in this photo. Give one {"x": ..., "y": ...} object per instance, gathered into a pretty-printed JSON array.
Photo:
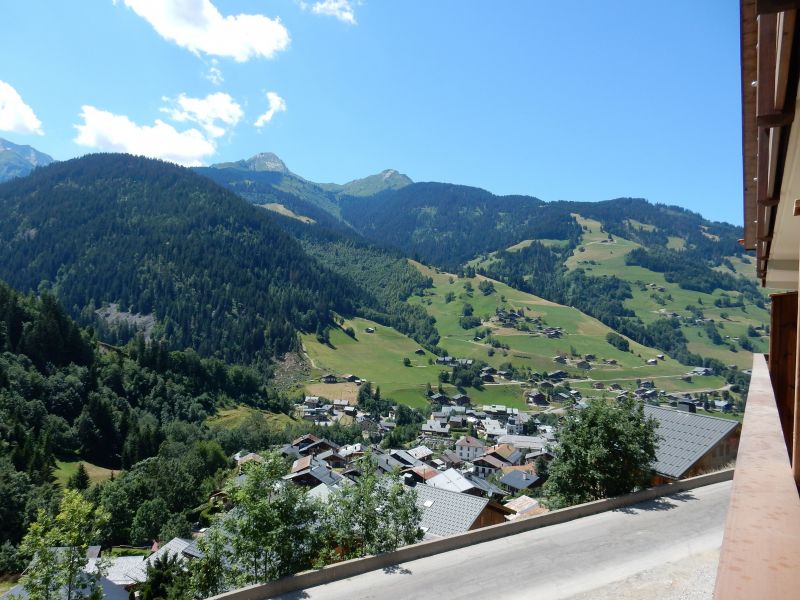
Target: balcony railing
[{"x": 760, "y": 556}]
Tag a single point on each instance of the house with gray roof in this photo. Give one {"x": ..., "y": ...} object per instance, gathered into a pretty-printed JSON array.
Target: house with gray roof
[
  {"x": 174, "y": 547},
  {"x": 449, "y": 513},
  {"x": 455, "y": 481},
  {"x": 691, "y": 444},
  {"x": 111, "y": 591},
  {"x": 518, "y": 480}
]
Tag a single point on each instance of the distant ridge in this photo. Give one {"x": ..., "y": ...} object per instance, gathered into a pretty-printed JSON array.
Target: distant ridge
[
  {"x": 18, "y": 161},
  {"x": 388, "y": 179},
  {"x": 262, "y": 162}
]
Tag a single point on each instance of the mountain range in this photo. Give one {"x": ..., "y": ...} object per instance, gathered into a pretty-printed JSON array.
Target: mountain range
[{"x": 129, "y": 244}]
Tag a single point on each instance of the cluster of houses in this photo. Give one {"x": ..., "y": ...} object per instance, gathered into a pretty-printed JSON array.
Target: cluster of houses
[
  {"x": 466, "y": 484},
  {"x": 514, "y": 319}
]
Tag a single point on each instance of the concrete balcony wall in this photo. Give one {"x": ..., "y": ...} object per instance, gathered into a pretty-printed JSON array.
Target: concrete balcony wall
[{"x": 760, "y": 556}]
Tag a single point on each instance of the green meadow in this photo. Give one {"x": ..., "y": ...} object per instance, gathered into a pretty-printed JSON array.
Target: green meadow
[
  {"x": 379, "y": 356},
  {"x": 650, "y": 303}
]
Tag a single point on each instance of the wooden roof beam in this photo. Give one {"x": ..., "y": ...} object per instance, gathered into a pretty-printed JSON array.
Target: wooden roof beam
[{"x": 766, "y": 7}]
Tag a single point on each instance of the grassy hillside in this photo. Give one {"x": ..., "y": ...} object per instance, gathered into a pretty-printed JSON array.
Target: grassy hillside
[
  {"x": 66, "y": 469},
  {"x": 601, "y": 256},
  {"x": 379, "y": 356}
]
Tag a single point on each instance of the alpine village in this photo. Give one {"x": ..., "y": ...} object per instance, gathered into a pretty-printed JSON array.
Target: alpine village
[{"x": 231, "y": 381}]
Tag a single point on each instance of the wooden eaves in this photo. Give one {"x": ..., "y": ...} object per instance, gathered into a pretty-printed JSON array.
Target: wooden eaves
[{"x": 769, "y": 90}]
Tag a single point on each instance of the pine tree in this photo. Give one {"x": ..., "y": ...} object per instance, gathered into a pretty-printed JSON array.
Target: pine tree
[{"x": 79, "y": 480}]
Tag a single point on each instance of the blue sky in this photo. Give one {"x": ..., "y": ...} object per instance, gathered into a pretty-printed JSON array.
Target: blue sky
[{"x": 576, "y": 101}]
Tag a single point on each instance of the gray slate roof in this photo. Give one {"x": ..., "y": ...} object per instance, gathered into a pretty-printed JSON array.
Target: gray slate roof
[
  {"x": 686, "y": 438},
  {"x": 447, "y": 513},
  {"x": 519, "y": 480},
  {"x": 175, "y": 547},
  {"x": 110, "y": 591}
]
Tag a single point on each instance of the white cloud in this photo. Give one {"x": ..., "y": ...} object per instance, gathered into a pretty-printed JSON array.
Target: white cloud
[
  {"x": 214, "y": 75},
  {"x": 103, "y": 130},
  {"x": 198, "y": 26},
  {"x": 216, "y": 113},
  {"x": 15, "y": 115},
  {"x": 341, "y": 9},
  {"x": 276, "y": 105}
]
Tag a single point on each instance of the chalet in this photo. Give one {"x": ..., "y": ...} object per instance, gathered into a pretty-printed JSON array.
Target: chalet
[
  {"x": 652, "y": 361},
  {"x": 686, "y": 377},
  {"x": 504, "y": 374},
  {"x": 524, "y": 442},
  {"x": 557, "y": 375},
  {"x": 562, "y": 360},
  {"x": 422, "y": 453},
  {"x": 311, "y": 401},
  {"x": 646, "y": 394},
  {"x": 487, "y": 465},
  {"x": 449, "y": 459},
  {"x": 537, "y": 398},
  {"x": 590, "y": 357},
  {"x": 304, "y": 440},
  {"x": 419, "y": 352},
  {"x": 461, "y": 399},
  {"x": 312, "y": 474},
  {"x": 686, "y": 406},
  {"x": 352, "y": 451},
  {"x": 405, "y": 458},
  {"x": 420, "y": 474},
  {"x": 243, "y": 458},
  {"x": 518, "y": 480},
  {"x": 317, "y": 447},
  {"x": 438, "y": 398},
  {"x": 457, "y": 421},
  {"x": 449, "y": 513},
  {"x": 469, "y": 448},
  {"x": 513, "y": 425},
  {"x": 523, "y": 507},
  {"x": 615, "y": 386},
  {"x": 546, "y": 385},
  {"x": 610, "y": 361},
  {"x": 598, "y": 385},
  {"x": 492, "y": 428},
  {"x": 487, "y": 377},
  {"x": 349, "y": 377},
  {"x": 370, "y": 330},
  {"x": 700, "y": 371},
  {"x": 532, "y": 457},
  {"x": 328, "y": 378},
  {"x": 583, "y": 364},
  {"x": 505, "y": 452},
  {"x": 333, "y": 459},
  {"x": 647, "y": 385},
  {"x": 723, "y": 405},
  {"x": 660, "y": 357},
  {"x": 691, "y": 444},
  {"x": 435, "y": 428},
  {"x": 455, "y": 481}
]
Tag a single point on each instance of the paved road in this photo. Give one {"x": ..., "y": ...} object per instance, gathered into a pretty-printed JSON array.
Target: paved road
[{"x": 554, "y": 562}]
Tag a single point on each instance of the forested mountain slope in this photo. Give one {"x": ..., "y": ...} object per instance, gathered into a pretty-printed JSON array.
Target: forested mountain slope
[
  {"x": 539, "y": 247},
  {"x": 216, "y": 272}
]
